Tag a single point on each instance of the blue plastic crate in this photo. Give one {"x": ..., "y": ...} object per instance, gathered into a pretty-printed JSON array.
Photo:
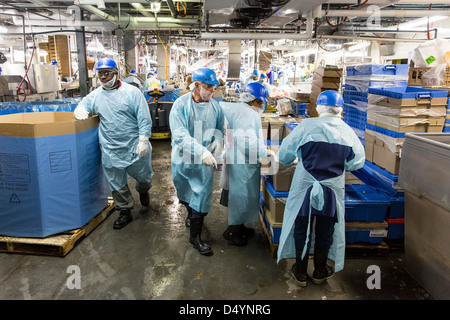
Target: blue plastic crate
[
  {"x": 353, "y": 235},
  {"x": 365, "y": 203},
  {"x": 378, "y": 69},
  {"x": 387, "y": 132},
  {"x": 269, "y": 185},
  {"x": 396, "y": 228},
  {"x": 397, "y": 208},
  {"x": 409, "y": 93},
  {"x": 391, "y": 177},
  {"x": 361, "y": 84},
  {"x": 291, "y": 125},
  {"x": 446, "y": 129}
]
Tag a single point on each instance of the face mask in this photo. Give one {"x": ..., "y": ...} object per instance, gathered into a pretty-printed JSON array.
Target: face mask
[
  {"x": 110, "y": 83},
  {"x": 205, "y": 94}
]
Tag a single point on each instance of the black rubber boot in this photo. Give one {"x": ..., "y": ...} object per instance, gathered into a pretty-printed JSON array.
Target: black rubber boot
[
  {"x": 196, "y": 237},
  {"x": 322, "y": 271},
  {"x": 144, "y": 198},
  {"x": 125, "y": 218},
  {"x": 247, "y": 232},
  {"x": 187, "y": 222},
  {"x": 299, "y": 268},
  {"x": 234, "y": 236}
]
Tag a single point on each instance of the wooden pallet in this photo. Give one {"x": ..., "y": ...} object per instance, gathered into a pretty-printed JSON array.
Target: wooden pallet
[
  {"x": 57, "y": 245},
  {"x": 273, "y": 247}
]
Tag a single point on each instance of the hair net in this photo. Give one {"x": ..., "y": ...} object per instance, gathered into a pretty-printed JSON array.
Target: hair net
[
  {"x": 321, "y": 108},
  {"x": 247, "y": 97}
]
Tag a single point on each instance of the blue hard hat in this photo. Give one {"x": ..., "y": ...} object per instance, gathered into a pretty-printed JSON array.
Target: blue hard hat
[
  {"x": 255, "y": 72},
  {"x": 257, "y": 90},
  {"x": 133, "y": 71},
  {"x": 54, "y": 63},
  {"x": 280, "y": 73},
  {"x": 205, "y": 75},
  {"x": 106, "y": 63},
  {"x": 149, "y": 74},
  {"x": 263, "y": 75},
  {"x": 330, "y": 98}
]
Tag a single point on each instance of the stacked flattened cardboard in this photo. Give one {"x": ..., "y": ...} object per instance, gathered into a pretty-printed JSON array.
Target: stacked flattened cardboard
[
  {"x": 359, "y": 79},
  {"x": 323, "y": 79},
  {"x": 392, "y": 112}
]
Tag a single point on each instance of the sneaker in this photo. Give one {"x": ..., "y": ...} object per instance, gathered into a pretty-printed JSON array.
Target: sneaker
[
  {"x": 144, "y": 198},
  {"x": 125, "y": 218}
]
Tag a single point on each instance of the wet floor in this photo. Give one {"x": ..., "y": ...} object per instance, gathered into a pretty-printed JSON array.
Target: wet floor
[{"x": 152, "y": 259}]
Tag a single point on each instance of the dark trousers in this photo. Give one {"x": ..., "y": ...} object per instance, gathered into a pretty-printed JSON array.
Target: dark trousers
[
  {"x": 324, "y": 229},
  {"x": 195, "y": 214}
]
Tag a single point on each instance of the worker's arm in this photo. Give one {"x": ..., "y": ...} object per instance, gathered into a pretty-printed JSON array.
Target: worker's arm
[
  {"x": 356, "y": 160},
  {"x": 290, "y": 146},
  {"x": 85, "y": 107}
]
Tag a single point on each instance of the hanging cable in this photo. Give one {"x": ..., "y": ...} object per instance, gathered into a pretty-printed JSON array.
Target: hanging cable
[
  {"x": 20, "y": 88},
  {"x": 428, "y": 23},
  {"x": 340, "y": 24},
  {"x": 165, "y": 57}
]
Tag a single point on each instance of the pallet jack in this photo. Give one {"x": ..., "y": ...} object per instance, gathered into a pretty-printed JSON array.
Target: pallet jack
[{"x": 160, "y": 128}]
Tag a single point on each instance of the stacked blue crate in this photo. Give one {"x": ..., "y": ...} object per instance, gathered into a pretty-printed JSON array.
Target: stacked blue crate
[
  {"x": 447, "y": 118},
  {"x": 357, "y": 83},
  {"x": 62, "y": 105}
]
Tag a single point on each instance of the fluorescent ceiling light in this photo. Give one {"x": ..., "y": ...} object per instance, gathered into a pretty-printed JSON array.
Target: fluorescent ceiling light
[{"x": 419, "y": 22}]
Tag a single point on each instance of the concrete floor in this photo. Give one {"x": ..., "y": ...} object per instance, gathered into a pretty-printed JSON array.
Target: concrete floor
[{"x": 152, "y": 259}]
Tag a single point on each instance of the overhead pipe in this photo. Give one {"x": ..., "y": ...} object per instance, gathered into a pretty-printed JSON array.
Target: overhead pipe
[{"x": 386, "y": 13}]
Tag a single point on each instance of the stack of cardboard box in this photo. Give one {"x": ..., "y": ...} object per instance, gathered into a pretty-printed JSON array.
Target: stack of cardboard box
[
  {"x": 323, "y": 79},
  {"x": 392, "y": 112}
]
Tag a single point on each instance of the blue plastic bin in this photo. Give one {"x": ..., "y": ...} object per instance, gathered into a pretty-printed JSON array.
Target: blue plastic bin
[
  {"x": 365, "y": 203},
  {"x": 409, "y": 93},
  {"x": 378, "y": 69},
  {"x": 396, "y": 229},
  {"x": 360, "y": 235}
]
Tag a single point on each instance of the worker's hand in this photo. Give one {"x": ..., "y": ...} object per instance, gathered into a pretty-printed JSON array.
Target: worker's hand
[
  {"x": 143, "y": 146},
  {"x": 271, "y": 153},
  {"x": 215, "y": 147},
  {"x": 208, "y": 159},
  {"x": 80, "y": 113}
]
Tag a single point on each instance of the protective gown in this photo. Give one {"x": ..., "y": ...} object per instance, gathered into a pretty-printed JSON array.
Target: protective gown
[
  {"x": 124, "y": 115},
  {"x": 194, "y": 127},
  {"x": 241, "y": 174},
  {"x": 319, "y": 180}
]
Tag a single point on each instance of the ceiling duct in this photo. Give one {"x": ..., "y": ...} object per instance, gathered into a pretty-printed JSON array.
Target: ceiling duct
[
  {"x": 250, "y": 13},
  {"x": 266, "y": 3}
]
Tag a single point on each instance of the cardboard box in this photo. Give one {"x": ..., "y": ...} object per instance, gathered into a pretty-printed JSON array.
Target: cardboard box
[
  {"x": 274, "y": 205},
  {"x": 415, "y": 76},
  {"x": 282, "y": 178},
  {"x": 51, "y": 176},
  {"x": 433, "y": 125},
  {"x": 329, "y": 72},
  {"x": 378, "y": 152},
  {"x": 327, "y": 83}
]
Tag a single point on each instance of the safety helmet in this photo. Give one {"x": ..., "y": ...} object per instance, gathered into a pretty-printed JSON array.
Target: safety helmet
[
  {"x": 257, "y": 90},
  {"x": 330, "y": 98},
  {"x": 255, "y": 73},
  {"x": 106, "y": 63},
  {"x": 263, "y": 75},
  {"x": 280, "y": 73},
  {"x": 205, "y": 75},
  {"x": 133, "y": 71},
  {"x": 149, "y": 74}
]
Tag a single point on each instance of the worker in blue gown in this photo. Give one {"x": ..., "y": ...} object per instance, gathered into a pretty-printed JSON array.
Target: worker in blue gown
[
  {"x": 196, "y": 122},
  {"x": 254, "y": 77},
  {"x": 241, "y": 173},
  {"x": 326, "y": 148},
  {"x": 124, "y": 133}
]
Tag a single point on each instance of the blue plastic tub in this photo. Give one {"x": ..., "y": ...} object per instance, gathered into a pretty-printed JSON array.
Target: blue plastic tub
[
  {"x": 378, "y": 69},
  {"x": 361, "y": 84},
  {"x": 269, "y": 185},
  {"x": 409, "y": 93},
  {"x": 397, "y": 208},
  {"x": 396, "y": 228},
  {"x": 291, "y": 125},
  {"x": 365, "y": 203}
]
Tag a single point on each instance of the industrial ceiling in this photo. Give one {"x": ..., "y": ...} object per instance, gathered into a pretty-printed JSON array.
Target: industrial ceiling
[{"x": 219, "y": 19}]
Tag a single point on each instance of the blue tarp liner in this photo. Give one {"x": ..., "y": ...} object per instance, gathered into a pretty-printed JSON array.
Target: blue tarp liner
[
  {"x": 65, "y": 105},
  {"x": 50, "y": 184}
]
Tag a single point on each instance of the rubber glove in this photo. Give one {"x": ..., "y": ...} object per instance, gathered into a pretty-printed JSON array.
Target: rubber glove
[
  {"x": 208, "y": 159},
  {"x": 80, "y": 113},
  {"x": 271, "y": 153},
  {"x": 143, "y": 146}
]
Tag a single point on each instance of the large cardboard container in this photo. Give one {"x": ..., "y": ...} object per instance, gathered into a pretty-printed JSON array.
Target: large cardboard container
[
  {"x": 379, "y": 152},
  {"x": 51, "y": 177}
]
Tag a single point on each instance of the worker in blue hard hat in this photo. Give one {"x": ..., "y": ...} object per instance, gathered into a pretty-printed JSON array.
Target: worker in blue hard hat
[
  {"x": 241, "y": 173},
  {"x": 124, "y": 132},
  {"x": 254, "y": 76},
  {"x": 263, "y": 80},
  {"x": 283, "y": 79},
  {"x": 151, "y": 82},
  {"x": 196, "y": 122},
  {"x": 326, "y": 147}
]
